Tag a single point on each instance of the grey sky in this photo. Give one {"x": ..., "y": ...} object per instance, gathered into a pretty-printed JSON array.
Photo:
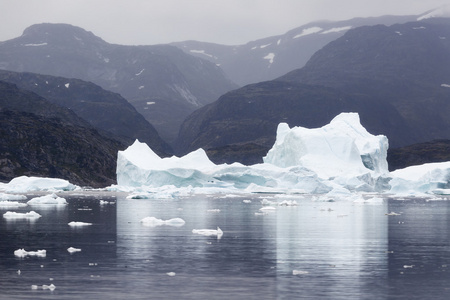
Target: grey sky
[{"x": 231, "y": 22}]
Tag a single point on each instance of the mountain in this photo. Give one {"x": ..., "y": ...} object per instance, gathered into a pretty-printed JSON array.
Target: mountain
[
  {"x": 106, "y": 111},
  {"x": 418, "y": 154},
  {"x": 397, "y": 77},
  {"x": 162, "y": 82},
  {"x": 39, "y": 138},
  {"x": 271, "y": 57}
]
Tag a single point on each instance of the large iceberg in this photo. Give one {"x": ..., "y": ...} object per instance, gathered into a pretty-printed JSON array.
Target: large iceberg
[{"x": 340, "y": 154}]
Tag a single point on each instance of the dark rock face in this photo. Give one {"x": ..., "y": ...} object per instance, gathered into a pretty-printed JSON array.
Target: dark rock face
[
  {"x": 162, "y": 82},
  {"x": 38, "y": 138},
  {"x": 418, "y": 154},
  {"x": 106, "y": 111},
  {"x": 397, "y": 78}
]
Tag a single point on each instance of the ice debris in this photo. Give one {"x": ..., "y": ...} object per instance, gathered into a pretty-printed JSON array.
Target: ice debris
[
  {"x": 153, "y": 222},
  {"x": 23, "y": 253},
  {"x": 6, "y": 197},
  {"x": 47, "y": 199},
  {"x": 73, "y": 250},
  {"x": 9, "y": 204},
  {"x": 77, "y": 224},
  {"x": 15, "y": 215},
  {"x": 209, "y": 232}
]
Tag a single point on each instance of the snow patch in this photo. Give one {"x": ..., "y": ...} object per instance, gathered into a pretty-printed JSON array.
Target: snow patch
[
  {"x": 202, "y": 52},
  {"x": 140, "y": 72},
  {"x": 270, "y": 57},
  {"x": 337, "y": 29},
  {"x": 36, "y": 45},
  {"x": 67, "y": 85},
  {"x": 264, "y": 46},
  {"x": 308, "y": 31}
]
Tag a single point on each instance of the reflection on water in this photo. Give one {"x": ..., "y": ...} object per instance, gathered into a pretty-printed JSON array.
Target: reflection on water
[{"x": 323, "y": 250}]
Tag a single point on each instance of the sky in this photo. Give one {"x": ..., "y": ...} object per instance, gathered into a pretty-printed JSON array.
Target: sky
[{"x": 229, "y": 22}]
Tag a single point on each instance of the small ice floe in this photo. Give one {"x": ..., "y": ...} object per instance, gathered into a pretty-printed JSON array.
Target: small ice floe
[
  {"x": 103, "y": 202},
  {"x": 23, "y": 253},
  {"x": 73, "y": 250},
  {"x": 299, "y": 272},
  {"x": 209, "y": 232},
  {"x": 268, "y": 202},
  {"x": 267, "y": 209},
  {"x": 50, "y": 287},
  {"x": 392, "y": 214},
  {"x": 288, "y": 203},
  {"x": 214, "y": 210},
  {"x": 11, "y": 204},
  {"x": 6, "y": 197},
  {"x": 15, "y": 215},
  {"x": 76, "y": 224},
  {"x": 247, "y": 201},
  {"x": 47, "y": 199},
  {"x": 408, "y": 266},
  {"x": 153, "y": 222},
  {"x": 171, "y": 274}
]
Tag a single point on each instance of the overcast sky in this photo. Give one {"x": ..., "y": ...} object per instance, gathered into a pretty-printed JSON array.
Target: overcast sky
[{"x": 232, "y": 22}]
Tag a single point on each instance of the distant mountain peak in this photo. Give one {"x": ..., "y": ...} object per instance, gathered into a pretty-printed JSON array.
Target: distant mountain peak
[{"x": 50, "y": 33}]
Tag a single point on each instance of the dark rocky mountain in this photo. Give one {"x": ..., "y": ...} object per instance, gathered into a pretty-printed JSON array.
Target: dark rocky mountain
[
  {"x": 396, "y": 77},
  {"x": 162, "y": 82},
  {"x": 106, "y": 111},
  {"x": 38, "y": 138},
  {"x": 271, "y": 57},
  {"x": 418, "y": 154}
]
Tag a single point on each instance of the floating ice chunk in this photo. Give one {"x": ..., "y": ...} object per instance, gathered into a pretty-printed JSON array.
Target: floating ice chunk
[
  {"x": 153, "y": 222},
  {"x": 6, "y": 197},
  {"x": 247, "y": 201},
  {"x": 77, "y": 224},
  {"x": 299, "y": 272},
  {"x": 288, "y": 203},
  {"x": 421, "y": 179},
  {"x": 209, "y": 232},
  {"x": 23, "y": 253},
  {"x": 374, "y": 200},
  {"x": 215, "y": 210},
  {"x": 73, "y": 250},
  {"x": 267, "y": 209},
  {"x": 24, "y": 184},
  {"x": 47, "y": 199},
  {"x": 16, "y": 215},
  {"x": 50, "y": 287},
  {"x": 9, "y": 204},
  {"x": 392, "y": 214},
  {"x": 171, "y": 274}
]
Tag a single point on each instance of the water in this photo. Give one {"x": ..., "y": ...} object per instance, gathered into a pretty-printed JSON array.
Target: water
[{"x": 318, "y": 250}]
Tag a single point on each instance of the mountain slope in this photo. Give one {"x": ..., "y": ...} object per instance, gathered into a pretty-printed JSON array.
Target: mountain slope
[
  {"x": 104, "y": 110},
  {"x": 271, "y": 57},
  {"x": 162, "y": 82},
  {"x": 38, "y": 138},
  {"x": 396, "y": 77}
]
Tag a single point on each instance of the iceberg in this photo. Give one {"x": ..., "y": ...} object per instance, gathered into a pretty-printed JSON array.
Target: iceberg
[
  {"x": 15, "y": 215},
  {"x": 23, "y": 253},
  {"x": 340, "y": 154},
  {"x": 209, "y": 232},
  {"x": 24, "y": 184},
  {"x": 47, "y": 199}
]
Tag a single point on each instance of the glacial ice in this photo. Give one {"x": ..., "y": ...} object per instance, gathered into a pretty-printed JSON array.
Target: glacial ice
[
  {"x": 15, "y": 215},
  {"x": 209, "y": 232},
  {"x": 340, "y": 154},
  {"x": 23, "y": 253},
  {"x": 24, "y": 184},
  {"x": 153, "y": 222},
  {"x": 47, "y": 199}
]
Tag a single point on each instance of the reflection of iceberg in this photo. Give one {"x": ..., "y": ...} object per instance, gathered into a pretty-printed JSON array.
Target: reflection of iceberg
[{"x": 341, "y": 153}]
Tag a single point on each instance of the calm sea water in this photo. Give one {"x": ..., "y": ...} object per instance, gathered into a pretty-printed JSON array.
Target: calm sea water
[{"x": 316, "y": 250}]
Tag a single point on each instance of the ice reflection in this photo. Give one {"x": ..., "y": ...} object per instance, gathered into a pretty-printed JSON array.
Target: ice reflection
[{"x": 331, "y": 247}]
